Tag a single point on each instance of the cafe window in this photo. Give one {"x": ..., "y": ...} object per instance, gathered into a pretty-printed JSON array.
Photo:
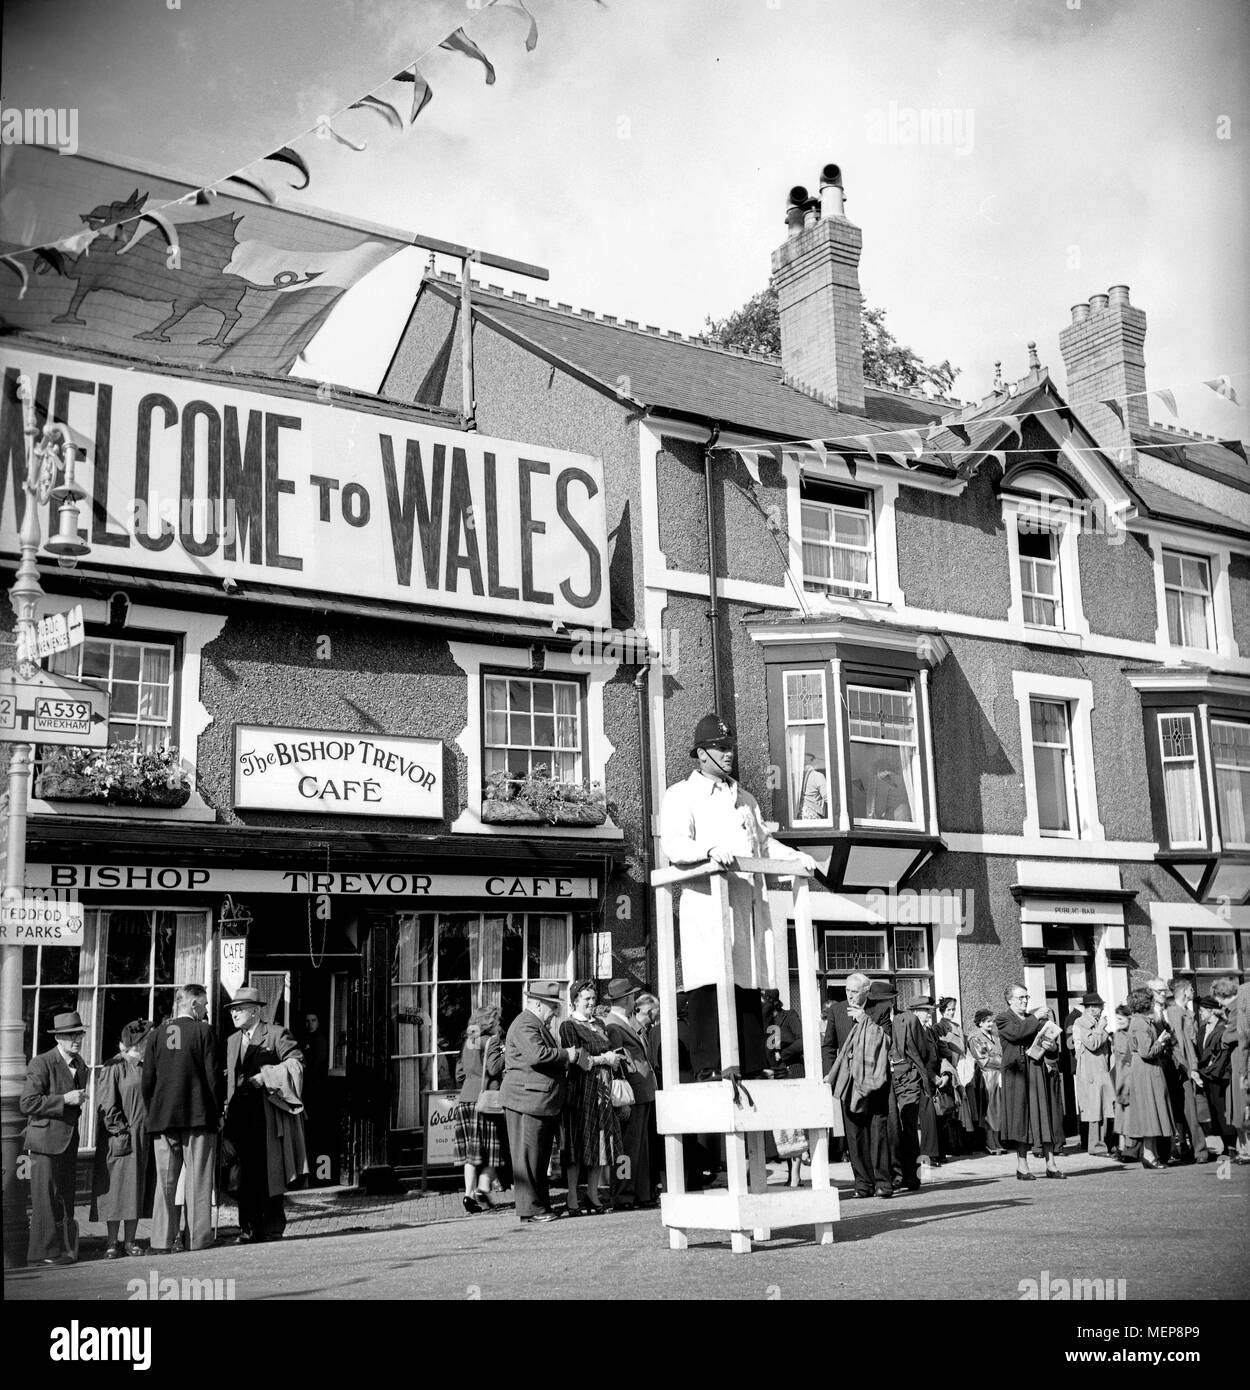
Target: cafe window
[
  {"x": 1182, "y": 786},
  {"x": 533, "y": 725},
  {"x": 807, "y": 747},
  {"x": 885, "y": 761},
  {"x": 445, "y": 965},
  {"x": 140, "y": 680},
  {"x": 129, "y": 964}
]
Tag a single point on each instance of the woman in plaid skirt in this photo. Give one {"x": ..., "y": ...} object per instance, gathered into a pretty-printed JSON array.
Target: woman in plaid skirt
[
  {"x": 592, "y": 1135},
  {"x": 479, "y": 1138}
]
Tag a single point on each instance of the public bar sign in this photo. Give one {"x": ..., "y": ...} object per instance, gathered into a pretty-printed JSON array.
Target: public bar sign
[
  {"x": 505, "y": 886},
  {"x": 313, "y": 491},
  {"x": 351, "y": 774}
]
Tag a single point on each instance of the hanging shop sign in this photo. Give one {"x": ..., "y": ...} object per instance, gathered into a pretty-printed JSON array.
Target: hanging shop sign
[
  {"x": 312, "y": 492},
  {"x": 176, "y": 878},
  {"x": 233, "y": 963},
  {"x": 350, "y": 774}
]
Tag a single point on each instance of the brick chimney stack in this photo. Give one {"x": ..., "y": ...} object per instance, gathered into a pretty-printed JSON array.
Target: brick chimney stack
[
  {"x": 816, "y": 274},
  {"x": 1104, "y": 358}
]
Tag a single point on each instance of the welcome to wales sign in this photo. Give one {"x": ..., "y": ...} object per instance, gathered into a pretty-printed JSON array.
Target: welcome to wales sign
[{"x": 188, "y": 477}]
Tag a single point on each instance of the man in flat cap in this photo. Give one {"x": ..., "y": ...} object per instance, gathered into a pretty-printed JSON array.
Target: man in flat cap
[
  {"x": 264, "y": 1116},
  {"x": 52, "y": 1101},
  {"x": 533, "y": 1096},
  {"x": 710, "y": 816}
]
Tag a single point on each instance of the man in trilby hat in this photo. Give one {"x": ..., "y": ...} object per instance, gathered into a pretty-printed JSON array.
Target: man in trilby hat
[
  {"x": 52, "y": 1101},
  {"x": 264, "y": 1115},
  {"x": 710, "y": 816},
  {"x": 533, "y": 1096},
  {"x": 1095, "y": 1096}
]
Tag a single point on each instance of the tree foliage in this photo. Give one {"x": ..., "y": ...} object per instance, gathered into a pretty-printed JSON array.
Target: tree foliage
[{"x": 756, "y": 327}]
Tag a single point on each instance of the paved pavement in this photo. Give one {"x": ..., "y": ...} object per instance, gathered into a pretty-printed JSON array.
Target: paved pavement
[{"x": 973, "y": 1232}]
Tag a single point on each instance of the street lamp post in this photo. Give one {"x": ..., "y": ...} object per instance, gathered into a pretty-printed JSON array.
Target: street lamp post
[{"x": 47, "y": 454}]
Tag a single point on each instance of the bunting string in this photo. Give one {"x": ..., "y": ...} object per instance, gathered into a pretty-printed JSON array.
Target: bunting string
[{"x": 458, "y": 41}]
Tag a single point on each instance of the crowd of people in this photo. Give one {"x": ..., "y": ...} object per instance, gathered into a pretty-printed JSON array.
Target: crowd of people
[
  {"x": 173, "y": 1121},
  {"x": 1161, "y": 1080}
]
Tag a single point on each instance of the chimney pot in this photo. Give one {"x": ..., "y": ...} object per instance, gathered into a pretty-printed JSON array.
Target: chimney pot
[
  {"x": 832, "y": 196},
  {"x": 1119, "y": 294},
  {"x": 1080, "y": 312},
  {"x": 1097, "y": 303}
]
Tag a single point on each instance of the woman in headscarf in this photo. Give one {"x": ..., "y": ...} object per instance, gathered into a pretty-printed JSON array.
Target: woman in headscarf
[
  {"x": 1032, "y": 1098},
  {"x": 121, "y": 1188}
]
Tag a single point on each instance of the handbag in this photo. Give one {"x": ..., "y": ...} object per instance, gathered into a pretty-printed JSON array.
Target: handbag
[
  {"x": 622, "y": 1094},
  {"x": 120, "y": 1145},
  {"x": 790, "y": 1142},
  {"x": 490, "y": 1102}
]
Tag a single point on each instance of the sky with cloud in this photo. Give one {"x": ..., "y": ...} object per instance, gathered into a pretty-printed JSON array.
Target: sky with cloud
[{"x": 643, "y": 151}]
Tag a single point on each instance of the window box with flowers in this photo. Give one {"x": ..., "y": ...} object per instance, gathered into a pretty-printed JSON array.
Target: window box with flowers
[
  {"x": 123, "y": 774},
  {"x": 538, "y": 799}
]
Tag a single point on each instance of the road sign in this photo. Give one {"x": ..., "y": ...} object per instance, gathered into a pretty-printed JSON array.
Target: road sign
[
  {"x": 52, "y": 709},
  {"x": 40, "y": 922},
  {"x": 58, "y": 632}
]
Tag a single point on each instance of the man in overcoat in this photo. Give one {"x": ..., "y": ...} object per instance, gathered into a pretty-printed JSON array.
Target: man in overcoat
[
  {"x": 533, "y": 1096},
  {"x": 709, "y": 816},
  {"x": 52, "y": 1101},
  {"x": 264, "y": 1116},
  {"x": 634, "y": 1189}
]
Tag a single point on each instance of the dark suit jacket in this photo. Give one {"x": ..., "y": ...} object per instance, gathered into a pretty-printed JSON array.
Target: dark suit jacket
[
  {"x": 181, "y": 1079},
  {"x": 642, "y": 1078},
  {"x": 837, "y": 1029},
  {"x": 789, "y": 1052},
  {"x": 51, "y": 1125},
  {"x": 534, "y": 1067},
  {"x": 275, "y": 1045},
  {"x": 918, "y": 1046},
  {"x": 1215, "y": 1056}
]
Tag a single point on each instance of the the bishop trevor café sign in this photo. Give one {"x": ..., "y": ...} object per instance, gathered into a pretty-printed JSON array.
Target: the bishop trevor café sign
[{"x": 188, "y": 477}]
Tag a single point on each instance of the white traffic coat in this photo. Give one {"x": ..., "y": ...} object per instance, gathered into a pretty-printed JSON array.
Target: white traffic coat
[{"x": 696, "y": 815}]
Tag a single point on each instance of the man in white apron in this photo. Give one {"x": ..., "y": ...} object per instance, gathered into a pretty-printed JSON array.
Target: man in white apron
[{"x": 709, "y": 816}]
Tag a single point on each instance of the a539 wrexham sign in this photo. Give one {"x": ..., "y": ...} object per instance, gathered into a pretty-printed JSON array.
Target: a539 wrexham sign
[{"x": 192, "y": 477}]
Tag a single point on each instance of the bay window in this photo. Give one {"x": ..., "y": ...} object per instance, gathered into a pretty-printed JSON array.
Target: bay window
[
  {"x": 884, "y": 754},
  {"x": 807, "y": 747},
  {"x": 1230, "y": 752},
  {"x": 1182, "y": 785}
]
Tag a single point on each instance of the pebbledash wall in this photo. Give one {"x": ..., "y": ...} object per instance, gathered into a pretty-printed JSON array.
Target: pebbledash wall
[
  {"x": 997, "y": 900},
  {"x": 391, "y": 928}
]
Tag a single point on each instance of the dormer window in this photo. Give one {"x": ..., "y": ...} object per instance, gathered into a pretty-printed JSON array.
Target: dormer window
[
  {"x": 1041, "y": 589},
  {"x": 1042, "y": 514},
  {"x": 838, "y": 554}
]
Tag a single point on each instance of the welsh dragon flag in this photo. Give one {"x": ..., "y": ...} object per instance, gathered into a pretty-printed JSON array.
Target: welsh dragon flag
[{"x": 228, "y": 282}]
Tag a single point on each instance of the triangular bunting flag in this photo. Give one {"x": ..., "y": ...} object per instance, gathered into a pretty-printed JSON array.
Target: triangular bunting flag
[
  {"x": 460, "y": 42},
  {"x": 869, "y": 444},
  {"x": 1222, "y": 386},
  {"x": 1168, "y": 399},
  {"x": 422, "y": 93},
  {"x": 751, "y": 461},
  {"x": 531, "y": 39},
  {"x": 959, "y": 432},
  {"x": 818, "y": 446},
  {"x": 383, "y": 108},
  {"x": 913, "y": 440},
  {"x": 1114, "y": 407},
  {"x": 999, "y": 456}
]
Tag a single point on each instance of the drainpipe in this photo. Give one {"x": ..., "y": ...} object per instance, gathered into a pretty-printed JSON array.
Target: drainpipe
[
  {"x": 469, "y": 404},
  {"x": 644, "y": 751},
  {"x": 714, "y": 610}
]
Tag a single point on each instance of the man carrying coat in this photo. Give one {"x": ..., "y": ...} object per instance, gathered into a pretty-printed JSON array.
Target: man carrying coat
[
  {"x": 533, "y": 1096},
  {"x": 709, "y": 816},
  {"x": 264, "y": 1116},
  {"x": 52, "y": 1100}
]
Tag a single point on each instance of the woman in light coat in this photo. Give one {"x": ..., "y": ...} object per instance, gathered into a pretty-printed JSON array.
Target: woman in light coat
[
  {"x": 1095, "y": 1097},
  {"x": 987, "y": 1051}
]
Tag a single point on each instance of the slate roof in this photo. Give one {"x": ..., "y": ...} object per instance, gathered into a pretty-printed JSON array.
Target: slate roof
[
  {"x": 1222, "y": 459},
  {"x": 1161, "y": 502},
  {"x": 692, "y": 378}
]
